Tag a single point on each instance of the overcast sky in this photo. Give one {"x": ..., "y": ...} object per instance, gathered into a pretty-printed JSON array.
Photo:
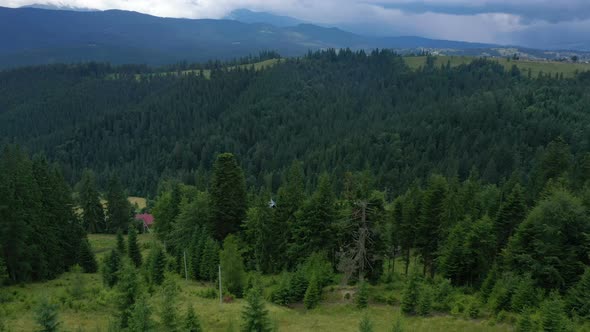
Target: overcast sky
[{"x": 524, "y": 22}]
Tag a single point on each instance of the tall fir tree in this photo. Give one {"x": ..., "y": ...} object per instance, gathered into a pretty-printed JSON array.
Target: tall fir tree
[
  {"x": 141, "y": 316},
  {"x": 168, "y": 315},
  {"x": 430, "y": 227},
  {"x": 512, "y": 212},
  {"x": 158, "y": 266},
  {"x": 110, "y": 268},
  {"x": 86, "y": 259},
  {"x": 121, "y": 243},
  {"x": 228, "y": 196},
  {"x": 118, "y": 207},
  {"x": 255, "y": 315},
  {"x": 578, "y": 299},
  {"x": 93, "y": 217},
  {"x": 128, "y": 291},
  {"x": 133, "y": 247}
]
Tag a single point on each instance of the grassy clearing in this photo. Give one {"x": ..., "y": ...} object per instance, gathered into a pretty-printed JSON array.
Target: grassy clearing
[
  {"x": 96, "y": 308},
  {"x": 551, "y": 67}
]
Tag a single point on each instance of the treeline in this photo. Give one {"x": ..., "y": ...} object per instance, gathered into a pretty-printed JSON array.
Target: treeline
[
  {"x": 518, "y": 242},
  {"x": 334, "y": 111},
  {"x": 40, "y": 234}
]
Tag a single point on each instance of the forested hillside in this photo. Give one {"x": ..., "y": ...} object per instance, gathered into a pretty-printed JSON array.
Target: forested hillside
[
  {"x": 335, "y": 112},
  {"x": 331, "y": 185}
]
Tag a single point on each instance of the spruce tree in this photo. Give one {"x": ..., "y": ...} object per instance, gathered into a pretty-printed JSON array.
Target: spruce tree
[
  {"x": 232, "y": 266},
  {"x": 553, "y": 318},
  {"x": 119, "y": 210},
  {"x": 362, "y": 296},
  {"x": 191, "y": 321},
  {"x": 365, "y": 324},
  {"x": 86, "y": 259},
  {"x": 228, "y": 196},
  {"x": 512, "y": 212},
  {"x": 425, "y": 301},
  {"x": 578, "y": 297},
  {"x": 158, "y": 266},
  {"x": 411, "y": 295},
  {"x": 525, "y": 295},
  {"x": 255, "y": 316},
  {"x": 430, "y": 226},
  {"x": 209, "y": 260},
  {"x": 168, "y": 310},
  {"x": 312, "y": 294},
  {"x": 93, "y": 214},
  {"x": 128, "y": 291},
  {"x": 525, "y": 322},
  {"x": 141, "y": 320},
  {"x": 46, "y": 316},
  {"x": 121, "y": 243},
  {"x": 110, "y": 269},
  {"x": 133, "y": 247}
]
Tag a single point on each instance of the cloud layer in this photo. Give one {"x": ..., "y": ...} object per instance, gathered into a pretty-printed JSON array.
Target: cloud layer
[{"x": 533, "y": 23}]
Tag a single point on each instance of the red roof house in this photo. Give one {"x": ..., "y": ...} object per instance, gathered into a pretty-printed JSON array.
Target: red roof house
[{"x": 147, "y": 219}]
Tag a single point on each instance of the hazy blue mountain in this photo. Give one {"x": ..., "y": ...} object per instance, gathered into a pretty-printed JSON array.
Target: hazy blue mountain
[
  {"x": 59, "y": 7},
  {"x": 248, "y": 16},
  {"x": 37, "y": 36}
]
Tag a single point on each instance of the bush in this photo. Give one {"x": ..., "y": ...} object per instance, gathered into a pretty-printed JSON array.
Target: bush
[
  {"x": 525, "y": 322},
  {"x": 443, "y": 295},
  {"x": 525, "y": 295},
  {"x": 473, "y": 309},
  {"x": 208, "y": 293},
  {"x": 501, "y": 295},
  {"x": 365, "y": 325},
  {"x": 317, "y": 265},
  {"x": 46, "y": 316}
]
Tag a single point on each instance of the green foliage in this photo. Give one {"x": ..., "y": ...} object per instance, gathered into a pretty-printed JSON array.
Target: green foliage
[
  {"x": 255, "y": 316},
  {"x": 550, "y": 244},
  {"x": 86, "y": 257},
  {"x": 191, "y": 321},
  {"x": 397, "y": 325},
  {"x": 133, "y": 247},
  {"x": 121, "y": 243},
  {"x": 501, "y": 295},
  {"x": 525, "y": 322},
  {"x": 425, "y": 299},
  {"x": 298, "y": 286},
  {"x": 553, "y": 317},
  {"x": 443, "y": 294},
  {"x": 158, "y": 266},
  {"x": 119, "y": 210},
  {"x": 141, "y": 320},
  {"x": 318, "y": 266},
  {"x": 489, "y": 283},
  {"x": 128, "y": 290},
  {"x": 110, "y": 268},
  {"x": 512, "y": 212},
  {"x": 431, "y": 221},
  {"x": 578, "y": 299},
  {"x": 411, "y": 295},
  {"x": 169, "y": 298},
  {"x": 165, "y": 212},
  {"x": 232, "y": 266},
  {"x": 473, "y": 309},
  {"x": 93, "y": 216},
  {"x": 46, "y": 316},
  {"x": 526, "y": 295},
  {"x": 3, "y": 271},
  {"x": 313, "y": 294},
  {"x": 362, "y": 296},
  {"x": 228, "y": 195},
  {"x": 365, "y": 325},
  {"x": 78, "y": 285},
  {"x": 209, "y": 260}
]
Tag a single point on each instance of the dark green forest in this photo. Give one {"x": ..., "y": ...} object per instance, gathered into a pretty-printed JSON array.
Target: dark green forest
[
  {"x": 329, "y": 168},
  {"x": 335, "y": 112}
]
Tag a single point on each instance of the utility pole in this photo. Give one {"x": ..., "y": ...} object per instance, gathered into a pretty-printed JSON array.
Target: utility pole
[{"x": 220, "y": 296}]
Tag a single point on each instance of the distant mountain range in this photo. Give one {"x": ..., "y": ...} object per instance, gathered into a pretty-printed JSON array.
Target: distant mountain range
[{"x": 40, "y": 36}]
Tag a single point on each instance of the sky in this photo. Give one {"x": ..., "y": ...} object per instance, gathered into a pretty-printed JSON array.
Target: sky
[{"x": 518, "y": 22}]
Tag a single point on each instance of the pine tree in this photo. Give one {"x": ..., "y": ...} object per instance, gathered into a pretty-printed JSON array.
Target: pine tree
[
  {"x": 255, "y": 316},
  {"x": 512, "y": 212},
  {"x": 312, "y": 294},
  {"x": 525, "y": 295},
  {"x": 141, "y": 320},
  {"x": 133, "y": 247},
  {"x": 191, "y": 321},
  {"x": 46, "y": 316},
  {"x": 425, "y": 301},
  {"x": 110, "y": 269},
  {"x": 158, "y": 266},
  {"x": 365, "y": 324},
  {"x": 411, "y": 295},
  {"x": 552, "y": 314},
  {"x": 488, "y": 283},
  {"x": 228, "y": 196},
  {"x": 209, "y": 260},
  {"x": 298, "y": 286},
  {"x": 168, "y": 310},
  {"x": 86, "y": 259},
  {"x": 525, "y": 322},
  {"x": 118, "y": 207},
  {"x": 578, "y": 297},
  {"x": 430, "y": 226},
  {"x": 128, "y": 291},
  {"x": 362, "y": 296},
  {"x": 93, "y": 214},
  {"x": 232, "y": 266},
  {"x": 121, "y": 243}
]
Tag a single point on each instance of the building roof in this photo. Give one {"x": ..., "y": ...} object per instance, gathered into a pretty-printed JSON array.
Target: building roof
[{"x": 147, "y": 218}]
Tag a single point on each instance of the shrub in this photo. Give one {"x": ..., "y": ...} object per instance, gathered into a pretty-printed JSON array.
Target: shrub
[
  {"x": 46, "y": 316},
  {"x": 312, "y": 294},
  {"x": 317, "y": 265},
  {"x": 362, "y": 296},
  {"x": 411, "y": 295},
  {"x": 425, "y": 301}
]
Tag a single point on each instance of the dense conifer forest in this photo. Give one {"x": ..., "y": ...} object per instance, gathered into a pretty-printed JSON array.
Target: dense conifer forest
[{"x": 467, "y": 189}]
